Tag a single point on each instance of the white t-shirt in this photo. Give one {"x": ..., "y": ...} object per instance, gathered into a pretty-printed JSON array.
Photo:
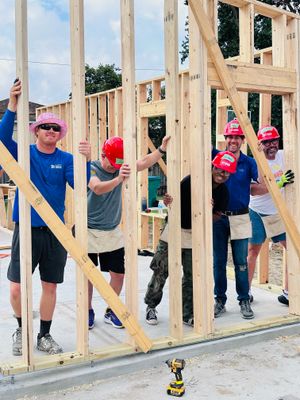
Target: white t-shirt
[{"x": 263, "y": 204}]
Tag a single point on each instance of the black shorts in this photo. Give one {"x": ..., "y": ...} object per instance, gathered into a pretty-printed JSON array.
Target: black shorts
[
  {"x": 110, "y": 260},
  {"x": 47, "y": 252}
]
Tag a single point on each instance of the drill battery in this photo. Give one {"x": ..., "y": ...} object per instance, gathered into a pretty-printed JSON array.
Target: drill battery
[{"x": 176, "y": 388}]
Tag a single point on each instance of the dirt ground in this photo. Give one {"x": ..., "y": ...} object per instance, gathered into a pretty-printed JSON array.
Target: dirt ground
[
  {"x": 268, "y": 370},
  {"x": 276, "y": 264}
]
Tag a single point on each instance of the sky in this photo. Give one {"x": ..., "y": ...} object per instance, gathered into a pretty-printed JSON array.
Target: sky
[{"x": 49, "y": 43}]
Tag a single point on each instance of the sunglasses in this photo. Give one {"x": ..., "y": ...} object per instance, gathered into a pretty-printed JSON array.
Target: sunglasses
[
  {"x": 267, "y": 143},
  {"x": 47, "y": 127}
]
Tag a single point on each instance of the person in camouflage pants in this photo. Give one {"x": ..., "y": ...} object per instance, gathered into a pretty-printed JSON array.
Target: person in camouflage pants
[
  {"x": 223, "y": 165},
  {"x": 159, "y": 266}
]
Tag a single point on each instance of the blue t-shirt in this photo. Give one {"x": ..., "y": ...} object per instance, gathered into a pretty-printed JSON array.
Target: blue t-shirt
[
  {"x": 238, "y": 184},
  {"x": 49, "y": 172}
]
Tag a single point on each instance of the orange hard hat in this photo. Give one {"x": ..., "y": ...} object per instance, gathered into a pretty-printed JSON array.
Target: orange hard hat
[
  {"x": 268, "y": 132},
  {"x": 233, "y": 128},
  {"x": 113, "y": 150},
  {"x": 225, "y": 160}
]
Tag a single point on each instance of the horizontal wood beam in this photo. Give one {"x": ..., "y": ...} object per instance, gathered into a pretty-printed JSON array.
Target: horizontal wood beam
[
  {"x": 223, "y": 103},
  {"x": 261, "y": 8},
  {"x": 256, "y": 78},
  {"x": 248, "y": 77},
  {"x": 118, "y": 350},
  {"x": 153, "y": 109}
]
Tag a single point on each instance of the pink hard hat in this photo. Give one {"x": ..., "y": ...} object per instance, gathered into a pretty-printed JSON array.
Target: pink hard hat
[{"x": 49, "y": 118}]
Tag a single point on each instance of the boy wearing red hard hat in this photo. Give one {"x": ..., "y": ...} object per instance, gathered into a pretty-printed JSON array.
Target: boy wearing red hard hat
[{"x": 223, "y": 165}]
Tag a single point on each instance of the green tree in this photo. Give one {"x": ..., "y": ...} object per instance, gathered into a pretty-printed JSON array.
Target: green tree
[
  {"x": 228, "y": 38},
  {"x": 102, "y": 78}
]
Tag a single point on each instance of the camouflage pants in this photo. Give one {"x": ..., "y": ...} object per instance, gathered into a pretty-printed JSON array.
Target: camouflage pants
[{"x": 159, "y": 265}]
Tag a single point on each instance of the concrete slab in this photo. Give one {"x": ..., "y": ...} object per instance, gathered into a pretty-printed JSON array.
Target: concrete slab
[
  {"x": 64, "y": 322},
  {"x": 64, "y": 328}
]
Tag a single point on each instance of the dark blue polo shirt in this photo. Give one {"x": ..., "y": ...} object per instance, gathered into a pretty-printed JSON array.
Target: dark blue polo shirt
[{"x": 238, "y": 184}]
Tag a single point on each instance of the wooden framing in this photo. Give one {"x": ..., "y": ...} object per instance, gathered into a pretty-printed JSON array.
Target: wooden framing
[
  {"x": 187, "y": 110},
  {"x": 24, "y": 207},
  {"x": 291, "y": 115},
  {"x": 174, "y": 154},
  {"x": 7, "y": 196},
  {"x": 79, "y": 134},
  {"x": 129, "y": 124}
]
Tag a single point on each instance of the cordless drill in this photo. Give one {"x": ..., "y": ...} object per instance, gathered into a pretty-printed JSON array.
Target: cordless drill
[{"x": 176, "y": 387}]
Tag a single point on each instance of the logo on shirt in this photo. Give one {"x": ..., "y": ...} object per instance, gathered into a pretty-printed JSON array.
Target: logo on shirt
[{"x": 56, "y": 166}]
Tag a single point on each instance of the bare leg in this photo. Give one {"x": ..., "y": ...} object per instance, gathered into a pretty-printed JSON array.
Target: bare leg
[
  {"x": 48, "y": 301},
  {"x": 15, "y": 298},
  {"x": 286, "y": 287},
  {"x": 253, "y": 251},
  {"x": 90, "y": 294},
  {"x": 116, "y": 281}
]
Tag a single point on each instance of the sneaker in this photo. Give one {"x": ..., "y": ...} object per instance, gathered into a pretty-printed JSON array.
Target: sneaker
[
  {"x": 91, "y": 318},
  {"x": 17, "y": 342},
  {"x": 284, "y": 298},
  {"x": 48, "y": 344},
  {"x": 151, "y": 317},
  {"x": 219, "y": 308},
  {"x": 111, "y": 318},
  {"x": 189, "y": 322},
  {"x": 246, "y": 310}
]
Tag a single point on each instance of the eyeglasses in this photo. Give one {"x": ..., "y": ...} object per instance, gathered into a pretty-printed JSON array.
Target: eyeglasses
[
  {"x": 47, "y": 127},
  {"x": 267, "y": 143},
  {"x": 222, "y": 171}
]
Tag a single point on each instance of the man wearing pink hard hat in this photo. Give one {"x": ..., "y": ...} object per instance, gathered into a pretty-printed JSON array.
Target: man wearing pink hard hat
[
  {"x": 50, "y": 170},
  {"x": 48, "y": 120}
]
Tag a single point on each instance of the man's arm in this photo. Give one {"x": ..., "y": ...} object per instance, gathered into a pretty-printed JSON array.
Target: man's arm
[
  {"x": 152, "y": 158},
  {"x": 100, "y": 187},
  {"x": 258, "y": 188},
  {"x": 84, "y": 148},
  {"x": 14, "y": 94},
  {"x": 7, "y": 123}
]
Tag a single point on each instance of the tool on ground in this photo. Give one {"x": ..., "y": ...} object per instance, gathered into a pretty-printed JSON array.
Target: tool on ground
[{"x": 176, "y": 387}]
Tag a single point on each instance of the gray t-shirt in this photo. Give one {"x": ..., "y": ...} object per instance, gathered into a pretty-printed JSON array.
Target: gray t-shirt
[{"x": 105, "y": 210}]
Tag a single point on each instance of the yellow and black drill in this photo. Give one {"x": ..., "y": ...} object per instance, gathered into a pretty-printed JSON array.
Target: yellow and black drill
[{"x": 176, "y": 387}]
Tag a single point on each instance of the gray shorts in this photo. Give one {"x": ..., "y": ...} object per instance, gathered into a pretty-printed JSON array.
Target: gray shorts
[{"x": 47, "y": 252}]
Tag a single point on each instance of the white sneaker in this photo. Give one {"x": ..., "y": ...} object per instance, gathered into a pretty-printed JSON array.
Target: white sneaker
[{"x": 48, "y": 344}]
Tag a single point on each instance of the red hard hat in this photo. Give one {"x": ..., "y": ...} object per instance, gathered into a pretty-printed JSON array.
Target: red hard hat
[
  {"x": 233, "y": 128},
  {"x": 113, "y": 150},
  {"x": 268, "y": 133},
  {"x": 225, "y": 160}
]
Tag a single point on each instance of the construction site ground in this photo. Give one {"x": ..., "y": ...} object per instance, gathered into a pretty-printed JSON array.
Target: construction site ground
[{"x": 259, "y": 365}]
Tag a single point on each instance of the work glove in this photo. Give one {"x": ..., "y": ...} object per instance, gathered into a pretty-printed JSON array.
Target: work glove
[{"x": 286, "y": 179}]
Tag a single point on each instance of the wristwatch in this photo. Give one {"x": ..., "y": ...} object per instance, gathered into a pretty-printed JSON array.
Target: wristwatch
[{"x": 161, "y": 150}]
